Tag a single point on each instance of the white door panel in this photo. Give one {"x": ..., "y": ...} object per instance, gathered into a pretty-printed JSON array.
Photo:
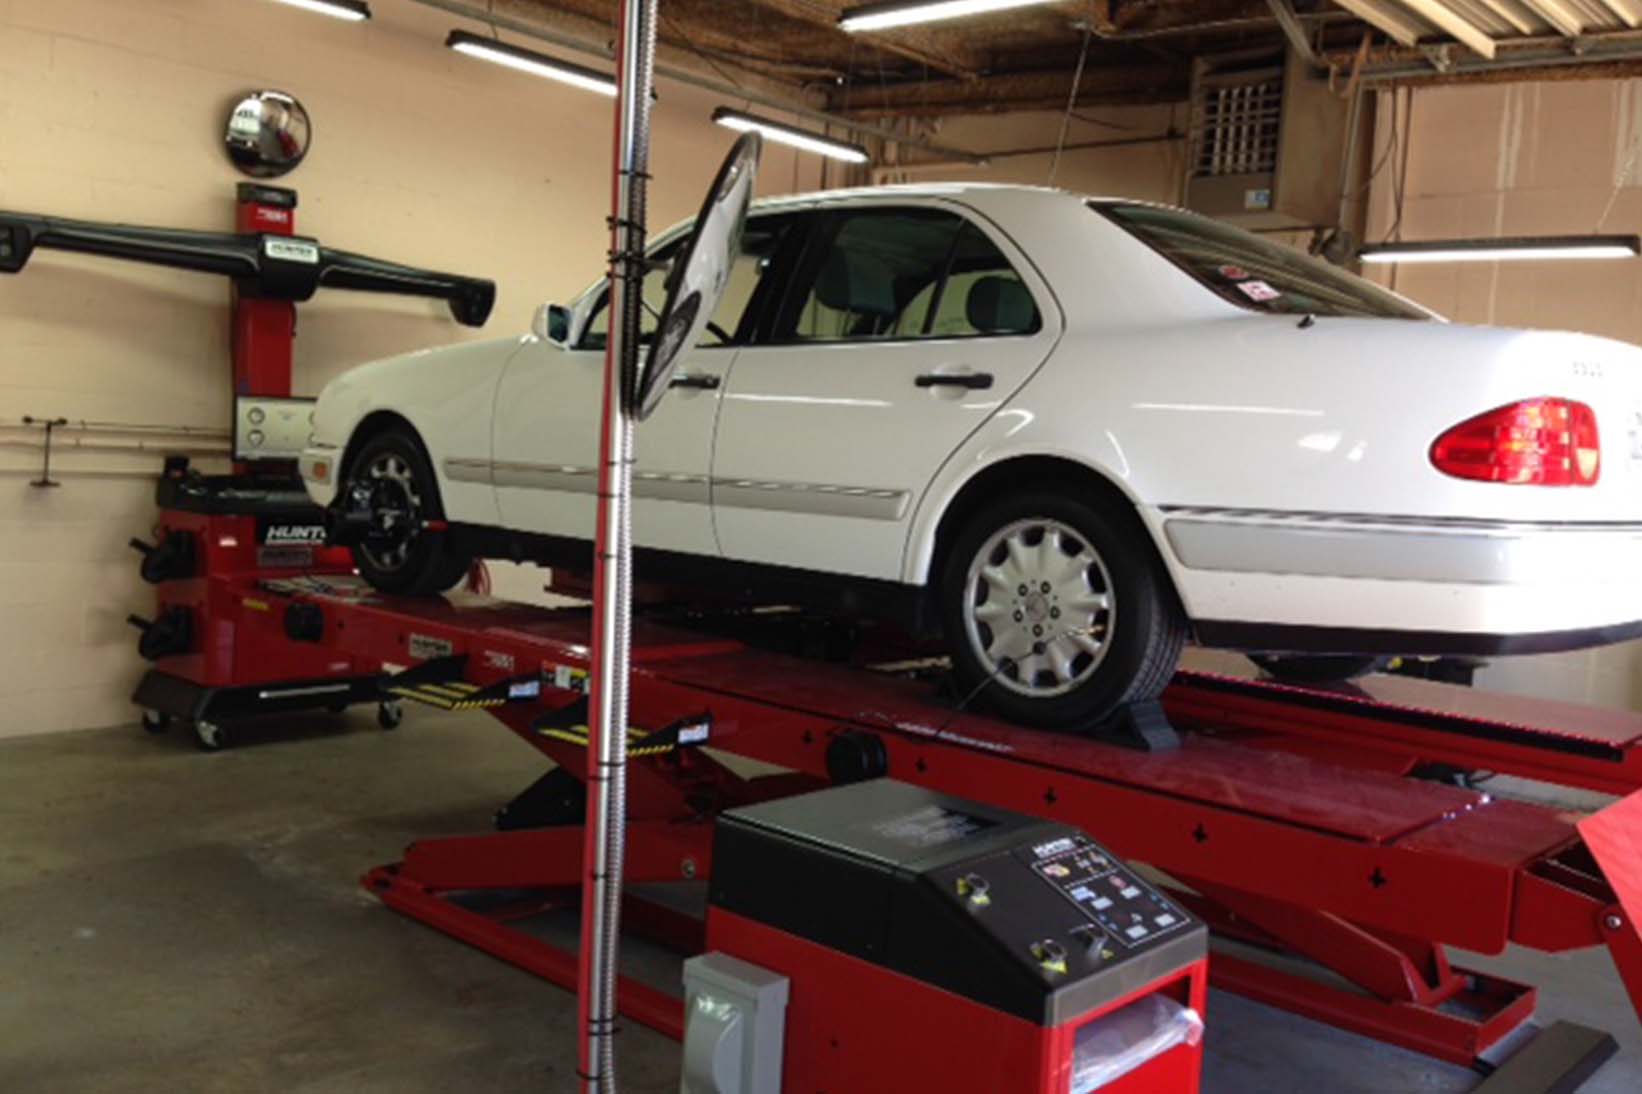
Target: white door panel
[
  {"x": 824, "y": 451},
  {"x": 906, "y": 328},
  {"x": 548, "y": 415},
  {"x": 546, "y": 450}
]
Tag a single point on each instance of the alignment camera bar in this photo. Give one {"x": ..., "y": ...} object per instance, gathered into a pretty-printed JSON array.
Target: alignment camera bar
[{"x": 270, "y": 266}]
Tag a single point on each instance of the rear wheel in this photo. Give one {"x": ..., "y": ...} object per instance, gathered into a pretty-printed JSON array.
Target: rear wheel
[
  {"x": 1056, "y": 612},
  {"x": 400, "y": 553}
]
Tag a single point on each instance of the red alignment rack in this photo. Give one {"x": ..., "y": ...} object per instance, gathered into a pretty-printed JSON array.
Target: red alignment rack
[{"x": 1286, "y": 817}]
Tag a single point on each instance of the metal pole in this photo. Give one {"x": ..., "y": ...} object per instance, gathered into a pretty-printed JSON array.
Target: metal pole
[{"x": 605, "y": 832}]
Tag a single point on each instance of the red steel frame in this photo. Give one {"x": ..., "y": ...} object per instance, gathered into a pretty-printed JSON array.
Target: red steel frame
[
  {"x": 263, "y": 330},
  {"x": 1295, "y": 826}
]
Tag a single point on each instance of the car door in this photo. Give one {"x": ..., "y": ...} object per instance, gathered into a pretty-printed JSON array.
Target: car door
[
  {"x": 545, "y": 436},
  {"x": 904, "y": 328}
]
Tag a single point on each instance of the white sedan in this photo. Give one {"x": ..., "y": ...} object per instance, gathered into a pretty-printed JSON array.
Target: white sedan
[{"x": 1068, "y": 432}]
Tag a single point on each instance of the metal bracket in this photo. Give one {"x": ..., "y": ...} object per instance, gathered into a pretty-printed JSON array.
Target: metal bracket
[
  {"x": 1440, "y": 57},
  {"x": 50, "y": 424}
]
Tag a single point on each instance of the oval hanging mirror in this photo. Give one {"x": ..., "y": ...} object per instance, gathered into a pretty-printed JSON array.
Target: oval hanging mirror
[
  {"x": 701, "y": 272},
  {"x": 268, "y": 133}
]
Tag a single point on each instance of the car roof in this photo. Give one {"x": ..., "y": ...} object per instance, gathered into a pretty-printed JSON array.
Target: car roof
[{"x": 978, "y": 193}]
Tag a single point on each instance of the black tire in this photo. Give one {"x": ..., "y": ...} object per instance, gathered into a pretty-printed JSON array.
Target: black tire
[
  {"x": 1318, "y": 668},
  {"x": 155, "y": 722},
  {"x": 389, "y": 715},
  {"x": 1146, "y": 627},
  {"x": 431, "y": 563}
]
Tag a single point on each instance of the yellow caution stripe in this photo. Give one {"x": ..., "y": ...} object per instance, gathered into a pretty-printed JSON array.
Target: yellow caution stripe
[
  {"x": 684, "y": 733},
  {"x": 636, "y": 740},
  {"x": 447, "y": 695}
]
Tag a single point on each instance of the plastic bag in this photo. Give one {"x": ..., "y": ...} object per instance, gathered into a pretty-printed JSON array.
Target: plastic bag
[{"x": 1115, "y": 1044}]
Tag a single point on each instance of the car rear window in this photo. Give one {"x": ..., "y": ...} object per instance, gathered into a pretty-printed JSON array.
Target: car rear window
[{"x": 1252, "y": 272}]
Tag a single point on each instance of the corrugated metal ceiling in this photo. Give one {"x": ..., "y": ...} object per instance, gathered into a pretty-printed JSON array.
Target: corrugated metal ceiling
[{"x": 1482, "y": 25}]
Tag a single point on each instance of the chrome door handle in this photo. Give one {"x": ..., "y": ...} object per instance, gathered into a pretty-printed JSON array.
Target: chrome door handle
[
  {"x": 701, "y": 381},
  {"x": 974, "y": 381}
]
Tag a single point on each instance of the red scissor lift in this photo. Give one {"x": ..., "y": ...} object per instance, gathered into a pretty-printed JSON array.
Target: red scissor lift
[{"x": 1298, "y": 822}]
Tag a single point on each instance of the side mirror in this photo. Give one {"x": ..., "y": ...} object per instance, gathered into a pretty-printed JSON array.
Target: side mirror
[{"x": 552, "y": 323}]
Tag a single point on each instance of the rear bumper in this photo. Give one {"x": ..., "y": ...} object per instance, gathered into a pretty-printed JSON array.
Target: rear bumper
[
  {"x": 1290, "y": 638},
  {"x": 1441, "y": 552},
  {"x": 1322, "y": 582}
]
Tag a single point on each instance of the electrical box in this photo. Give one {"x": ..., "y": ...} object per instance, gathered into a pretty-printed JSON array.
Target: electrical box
[
  {"x": 734, "y": 1019},
  {"x": 267, "y": 427}
]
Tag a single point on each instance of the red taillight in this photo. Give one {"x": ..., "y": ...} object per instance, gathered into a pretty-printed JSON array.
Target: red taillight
[{"x": 1537, "y": 442}]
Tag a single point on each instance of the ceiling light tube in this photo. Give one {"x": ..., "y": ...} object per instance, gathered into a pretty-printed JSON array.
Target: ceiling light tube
[
  {"x": 355, "y": 11},
  {"x": 901, "y": 13},
  {"x": 790, "y": 135},
  {"x": 528, "y": 60},
  {"x": 1504, "y": 249}
]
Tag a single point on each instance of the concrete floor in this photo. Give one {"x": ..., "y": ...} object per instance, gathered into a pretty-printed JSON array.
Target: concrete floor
[{"x": 177, "y": 921}]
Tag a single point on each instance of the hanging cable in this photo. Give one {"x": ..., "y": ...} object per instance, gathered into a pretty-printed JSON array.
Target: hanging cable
[
  {"x": 1399, "y": 180},
  {"x": 1071, "y": 101},
  {"x": 1619, "y": 181}
]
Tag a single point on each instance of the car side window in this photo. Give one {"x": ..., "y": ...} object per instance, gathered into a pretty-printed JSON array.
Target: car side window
[
  {"x": 982, "y": 293},
  {"x": 896, "y": 274},
  {"x": 759, "y": 243}
]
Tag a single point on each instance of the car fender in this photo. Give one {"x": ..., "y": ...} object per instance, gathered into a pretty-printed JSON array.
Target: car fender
[
  {"x": 447, "y": 395},
  {"x": 989, "y": 447}
]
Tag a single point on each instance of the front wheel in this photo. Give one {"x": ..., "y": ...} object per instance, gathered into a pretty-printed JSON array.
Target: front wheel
[
  {"x": 401, "y": 553},
  {"x": 1057, "y": 612}
]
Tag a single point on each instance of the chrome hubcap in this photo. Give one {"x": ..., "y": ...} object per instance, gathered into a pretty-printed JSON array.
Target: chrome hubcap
[
  {"x": 396, "y": 511},
  {"x": 1039, "y": 607}
]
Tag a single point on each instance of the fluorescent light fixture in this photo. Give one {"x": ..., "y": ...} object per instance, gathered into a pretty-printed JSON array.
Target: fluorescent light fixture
[
  {"x": 355, "y": 11},
  {"x": 1504, "y": 249},
  {"x": 528, "y": 60},
  {"x": 900, "y": 13},
  {"x": 786, "y": 134}
]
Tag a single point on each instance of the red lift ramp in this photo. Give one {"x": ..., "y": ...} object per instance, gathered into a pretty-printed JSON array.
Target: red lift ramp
[
  {"x": 1366, "y": 873},
  {"x": 1409, "y": 722},
  {"x": 1614, "y": 838},
  {"x": 1321, "y": 852}
]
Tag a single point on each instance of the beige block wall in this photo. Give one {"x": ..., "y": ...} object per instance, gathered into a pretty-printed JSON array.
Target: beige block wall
[
  {"x": 1150, "y": 171},
  {"x": 1526, "y": 159},
  {"x": 114, "y": 109}
]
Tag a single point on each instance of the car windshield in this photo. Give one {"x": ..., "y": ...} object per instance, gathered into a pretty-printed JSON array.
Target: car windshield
[{"x": 1252, "y": 272}]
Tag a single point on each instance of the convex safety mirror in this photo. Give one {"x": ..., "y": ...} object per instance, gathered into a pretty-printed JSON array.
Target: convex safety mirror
[
  {"x": 268, "y": 133},
  {"x": 700, "y": 273}
]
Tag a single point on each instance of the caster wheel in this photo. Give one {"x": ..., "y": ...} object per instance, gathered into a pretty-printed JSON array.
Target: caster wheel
[
  {"x": 337, "y": 708},
  {"x": 389, "y": 715},
  {"x": 155, "y": 722},
  {"x": 210, "y": 737}
]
